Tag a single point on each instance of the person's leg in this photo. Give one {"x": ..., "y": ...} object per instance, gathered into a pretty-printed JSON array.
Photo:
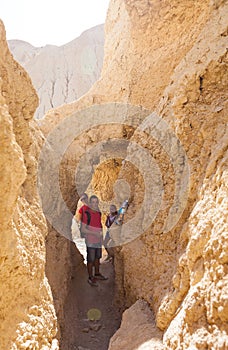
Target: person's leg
[
  {"x": 97, "y": 266},
  {"x": 106, "y": 240},
  {"x": 98, "y": 255},
  {"x": 109, "y": 256},
  {"x": 90, "y": 269},
  {"x": 90, "y": 264}
]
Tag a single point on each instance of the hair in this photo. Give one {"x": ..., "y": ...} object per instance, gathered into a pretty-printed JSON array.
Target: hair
[
  {"x": 113, "y": 206},
  {"x": 93, "y": 197},
  {"x": 84, "y": 196}
]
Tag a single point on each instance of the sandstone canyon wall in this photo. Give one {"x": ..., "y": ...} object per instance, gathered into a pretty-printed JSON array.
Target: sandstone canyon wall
[
  {"x": 166, "y": 57},
  {"x": 27, "y": 313},
  {"x": 171, "y": 58},
  {"x": 62, "y": 74}
]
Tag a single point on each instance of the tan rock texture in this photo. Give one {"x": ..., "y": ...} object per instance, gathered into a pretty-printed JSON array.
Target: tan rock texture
[
  {"x": 62, "y": 74},
  {"x": 170, "y": 57},
  {"x": 27, "y": 314},
  {"x": 62, "y": 258},
  {"x": 144, "y": 42},
  {"x": 138, "y": 324}
]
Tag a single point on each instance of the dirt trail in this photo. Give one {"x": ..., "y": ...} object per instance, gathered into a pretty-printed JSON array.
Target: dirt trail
[{"x": 80, "y": 333}]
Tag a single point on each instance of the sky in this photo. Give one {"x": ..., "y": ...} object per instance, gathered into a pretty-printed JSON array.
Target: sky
[{"x": 55, "y": 22}]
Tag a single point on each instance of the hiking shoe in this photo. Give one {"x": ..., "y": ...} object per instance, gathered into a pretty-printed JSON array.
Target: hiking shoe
[
  {"x": 92, "y": 281},
  {"x": 99, "y": 276}
]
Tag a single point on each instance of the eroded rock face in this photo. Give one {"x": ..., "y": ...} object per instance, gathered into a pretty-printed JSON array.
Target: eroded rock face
[
  {"x": 200, "y": 106},
  {"x": 62, "y": 74},
  {"x": 171, "y": 58},
  {"x": 27, "y": 316},
  {"x": 138, "y": 324},
  {"x": 200, "y": 286},
  {"x": 144, "y": 42}
]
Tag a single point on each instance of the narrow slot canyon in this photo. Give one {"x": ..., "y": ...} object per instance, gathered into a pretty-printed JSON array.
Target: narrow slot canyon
[
  {"x": 115, "y": 161},
  {"x": 91, "y": 316},
  {"x": 79, "y": 325},
  {"x": 152, "y": 129},
  {"x": 76, "y": 302},
  {"x": 107, "y": 175}
]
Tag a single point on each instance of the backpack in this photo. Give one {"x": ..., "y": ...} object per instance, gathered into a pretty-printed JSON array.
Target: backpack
[{"x": 88, "y": 214}]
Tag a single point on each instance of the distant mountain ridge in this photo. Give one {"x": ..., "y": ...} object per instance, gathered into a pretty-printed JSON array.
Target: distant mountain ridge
[{"x": 62, "y": 74}]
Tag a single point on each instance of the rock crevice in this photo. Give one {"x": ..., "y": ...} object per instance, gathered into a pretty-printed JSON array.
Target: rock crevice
[{"x": 169, "y": 58}]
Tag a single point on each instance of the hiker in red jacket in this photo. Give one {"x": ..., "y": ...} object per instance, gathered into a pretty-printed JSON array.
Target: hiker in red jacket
[{"x": 94, "y": 237}]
